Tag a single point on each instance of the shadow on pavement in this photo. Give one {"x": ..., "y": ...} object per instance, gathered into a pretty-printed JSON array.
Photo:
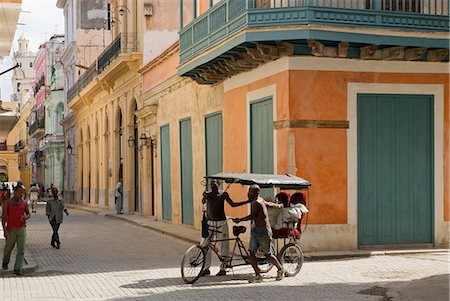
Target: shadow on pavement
[
  {"x": 436, "y": 288},
  {"x": 214, "y": 289}
]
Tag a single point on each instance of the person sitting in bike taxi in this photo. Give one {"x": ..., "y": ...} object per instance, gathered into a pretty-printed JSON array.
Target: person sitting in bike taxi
[{"x": 215, "y": 212}]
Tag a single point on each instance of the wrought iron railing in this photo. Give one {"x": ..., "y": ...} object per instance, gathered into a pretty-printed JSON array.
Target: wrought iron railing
[
  {"x": 19, "y": 145},
  {"x": 5, "y": 147},
  {"x": 123, "y": 43},
  {"x": 38, "y": 124},
  {"x": 109, "y": 54},
  {"x": 229, "y": 16}
]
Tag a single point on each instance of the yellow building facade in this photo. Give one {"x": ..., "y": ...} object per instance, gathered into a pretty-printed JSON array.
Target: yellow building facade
[
  {"x": 104, "y": 101},
  {"x": 20, "y": 139}
]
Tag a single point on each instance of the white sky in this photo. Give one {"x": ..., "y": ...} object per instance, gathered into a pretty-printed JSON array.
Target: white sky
[
  {"x": 39, "y": 26},
  {"x": 40, "y": 22}
]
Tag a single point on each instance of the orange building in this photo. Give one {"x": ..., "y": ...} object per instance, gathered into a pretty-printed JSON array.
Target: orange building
[{"x": 351, "y": 95}]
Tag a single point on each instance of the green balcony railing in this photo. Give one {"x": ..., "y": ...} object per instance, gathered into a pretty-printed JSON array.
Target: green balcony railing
[{"x": 230, "y": 16}]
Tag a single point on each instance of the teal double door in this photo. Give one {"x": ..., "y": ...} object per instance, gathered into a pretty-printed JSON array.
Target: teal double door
[{"x": 395, "y": 169}]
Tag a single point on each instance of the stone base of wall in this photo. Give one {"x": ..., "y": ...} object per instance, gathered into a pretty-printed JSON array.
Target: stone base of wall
[{"x": 70, "y": 196}]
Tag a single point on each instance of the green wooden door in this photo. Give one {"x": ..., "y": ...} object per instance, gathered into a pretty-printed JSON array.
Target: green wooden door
[
  {"x": 395, "y": 169},
  {"x": 165, "y": 174},
  {"x": 187, "y": 198},
  {"x": 261, "y": 139},
  {"x": 213, "y": 143}
]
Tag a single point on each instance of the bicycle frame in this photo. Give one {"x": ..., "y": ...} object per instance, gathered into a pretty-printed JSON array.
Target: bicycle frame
[{"x": 243, "y": 253}]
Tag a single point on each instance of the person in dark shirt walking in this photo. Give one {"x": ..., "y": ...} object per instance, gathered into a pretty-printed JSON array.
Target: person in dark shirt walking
[
  {"x": 54, "y": 211},
  {"x": 215, "y": 201}
]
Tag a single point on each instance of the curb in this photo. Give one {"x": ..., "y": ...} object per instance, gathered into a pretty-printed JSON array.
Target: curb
[{"x": 153, "y": 229}]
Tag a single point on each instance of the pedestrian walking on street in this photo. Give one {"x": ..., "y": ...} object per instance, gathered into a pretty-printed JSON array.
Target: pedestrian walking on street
[
  {"x": 3, "y": 194},
  {"x": 119, "y": 197},
  {"x": 34, "y": 197},
  {"x": 14, "y": 216},
  {"x": 216, "y": 219},
  {"x": 49, "y": 190},
  {"x": 54, "y": 211}
]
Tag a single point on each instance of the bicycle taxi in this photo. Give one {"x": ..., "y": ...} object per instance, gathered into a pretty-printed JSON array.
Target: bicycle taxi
[{"x": 286, "y": 238}]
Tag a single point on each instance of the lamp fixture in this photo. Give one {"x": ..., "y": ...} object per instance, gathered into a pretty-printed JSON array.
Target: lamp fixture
[
  {"x": 144, "y": 141},
  {"x": 70, "y": 149}
]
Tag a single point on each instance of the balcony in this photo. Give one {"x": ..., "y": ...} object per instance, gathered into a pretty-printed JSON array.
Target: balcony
[
  {"x": 19, "y": 146},
  {"x": 54, "y": 139},
  {"x": 124, "y": 43},
  {"x": 227, "y": 35},
  {"x": 5, "y": 147},
  {"x": 37, "y": 128}
]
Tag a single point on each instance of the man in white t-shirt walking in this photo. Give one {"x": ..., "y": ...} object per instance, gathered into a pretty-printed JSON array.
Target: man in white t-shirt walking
[{"x": 119, "y": 196}]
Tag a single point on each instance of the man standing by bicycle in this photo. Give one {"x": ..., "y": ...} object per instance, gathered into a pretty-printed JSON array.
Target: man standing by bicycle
[
  {"x": 215, "y": 203},
  {"x": 261, "y": 235}
]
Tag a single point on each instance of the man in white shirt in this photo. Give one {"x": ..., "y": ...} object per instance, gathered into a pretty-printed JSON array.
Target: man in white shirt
[{"x": 119, "y": 197}]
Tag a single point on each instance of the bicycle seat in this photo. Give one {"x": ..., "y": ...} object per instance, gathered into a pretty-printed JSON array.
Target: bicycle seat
[{"x": 239, "y": 230}]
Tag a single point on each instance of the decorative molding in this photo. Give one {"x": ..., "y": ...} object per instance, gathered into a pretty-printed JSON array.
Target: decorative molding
[
  {"x": 311, "y": 124},
  {"x": 370, "y": 52},
  {"x": 437, "y": 55},
  {"x": 174, "y": 48}
]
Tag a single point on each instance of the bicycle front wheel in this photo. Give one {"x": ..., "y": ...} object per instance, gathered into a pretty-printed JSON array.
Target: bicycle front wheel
[
  {"x": 291, "y": 257},
  {"x": 193, "y": 264}
]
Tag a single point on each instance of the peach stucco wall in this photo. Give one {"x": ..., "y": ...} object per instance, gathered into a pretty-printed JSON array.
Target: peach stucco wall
[
  {"x": 320, "y": 154},
  {"x": 161, "y": 72}
]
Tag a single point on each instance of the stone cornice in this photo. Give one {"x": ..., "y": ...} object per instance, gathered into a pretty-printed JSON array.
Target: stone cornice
[
  {"x": 61, "y": 3},
  {"x": 160, "y": 58},
  {"x": 165, "y": 88},
  {"x": 69, "y": 52}
]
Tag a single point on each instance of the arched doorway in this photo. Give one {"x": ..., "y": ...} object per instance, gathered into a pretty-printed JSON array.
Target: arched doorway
[
  {"x": 3, "y": 171},
  {"x": 81, "y": 152},
  {"x": 97, "y": 160},
  {"x": 89, "y": 151},
  {"x": 136, "y": 160},
  {"x": 106, "y": 164},
  {"x": 120, "y": 144}
]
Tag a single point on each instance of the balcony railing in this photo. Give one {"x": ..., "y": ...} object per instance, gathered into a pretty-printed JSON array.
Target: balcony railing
[
  {"x": 19, "y": 145},
  {"x": 38, "y": 124},
  {"x": 124, "y": 43},
  {"x": 5, "y": 147},
  {"x": 229, "y": 16},
  {"x": 54, "y": 138}
]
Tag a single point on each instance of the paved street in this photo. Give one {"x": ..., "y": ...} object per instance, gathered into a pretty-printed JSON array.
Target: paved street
[{"x": 107, "y": 259}]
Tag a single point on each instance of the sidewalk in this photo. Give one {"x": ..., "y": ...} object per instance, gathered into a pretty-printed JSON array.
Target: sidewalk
[{"x": 191, "y": 235}]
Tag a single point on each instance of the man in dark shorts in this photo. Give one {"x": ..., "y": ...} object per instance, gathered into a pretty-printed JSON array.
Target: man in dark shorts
[{"x": 261, "y": 235}]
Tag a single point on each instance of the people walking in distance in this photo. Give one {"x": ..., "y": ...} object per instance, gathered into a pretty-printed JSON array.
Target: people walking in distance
[
  {"x": 34, "y": 197},
  {"x": 22, "y": 187},
  {"x": 119, "y": 196},
  {"x": 14, "y": 216},
  {"x": 261, "y": 234},
  {"x": 49, "y": 190},
  {"x": 215, "y": 212},
  {"x": 3, "y": 194},
  {"x": 54, "y": 211}
]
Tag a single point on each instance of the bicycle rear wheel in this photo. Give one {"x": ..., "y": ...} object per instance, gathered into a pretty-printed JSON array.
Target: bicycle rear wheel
[
  {"x": 291, "y": 257},
  {"x": 193, "y": 264}
]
